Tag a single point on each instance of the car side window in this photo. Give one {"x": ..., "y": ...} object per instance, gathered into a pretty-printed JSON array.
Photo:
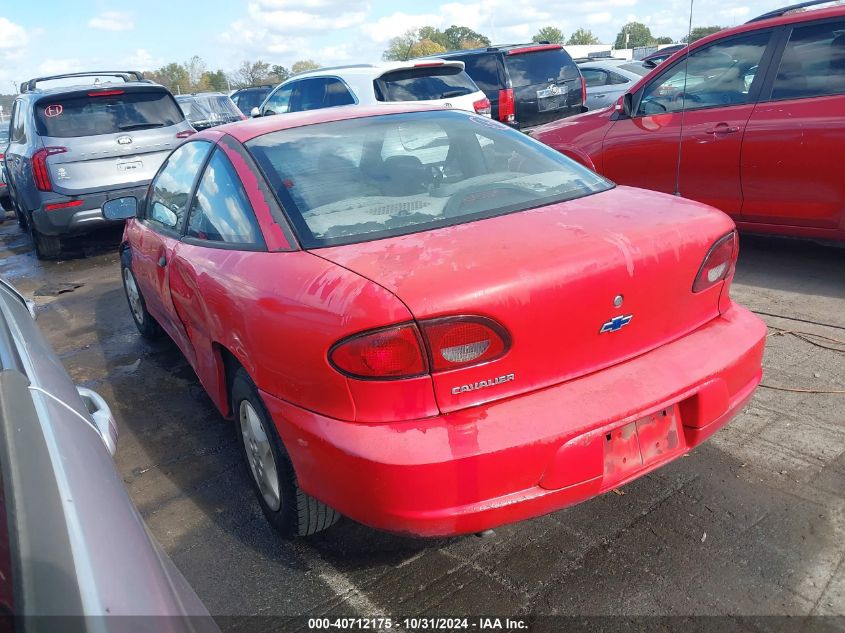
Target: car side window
[
  {"x": 322, "y": 92},
  {"x": 337, "y": 94},
  {"x": 720, "y": 74},
  {"x": 813, "y": 63},
  {"x": 613, "y": 78},
  {"x": 17, "y": 130},
  {"x": 594, "y": 77},
  {"x": 279, "y": 101},
  {"x": 171, "y": 188},
  {"x": 221, "y": 211},
  {"x": 484, "y": 71}
]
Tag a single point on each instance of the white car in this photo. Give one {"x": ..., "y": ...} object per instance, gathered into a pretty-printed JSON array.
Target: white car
[{"x": 427, "y": 81}]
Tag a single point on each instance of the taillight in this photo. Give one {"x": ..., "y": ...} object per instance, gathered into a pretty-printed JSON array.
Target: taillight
[
  {"x": 583, "y": 91},
  {"x": 399, "y": 351},
  {"x": 464, "y": 340},
  {"x": 482, "y": 106},
  {"x": 105, "y": 93},
  {"x": 62, "y": 205},
  {"x": 185, "y": 133},
  {"x": 718, "y": 264},
  {"x": 507, "y": 111},
  {"x": 39, "y": 167},
  {"x": 388, "y": 353}
]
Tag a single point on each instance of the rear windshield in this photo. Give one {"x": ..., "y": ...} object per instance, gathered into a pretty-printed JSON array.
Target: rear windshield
[
  {"x": 636, "y": 67},
  {"x": 421, "y": 84},
  {"x": 540, "y": 67},
  {"x": 72, "y": 116},
  {"x": 362, "y": 179},
  {"x": 251, "y": 98},
  {"x": 209, "y": 108}
]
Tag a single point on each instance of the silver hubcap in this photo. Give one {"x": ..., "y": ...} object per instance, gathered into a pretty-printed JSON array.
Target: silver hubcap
[
  {"x": 259, "y": 454},
  {"x": 133, "y": 295}
]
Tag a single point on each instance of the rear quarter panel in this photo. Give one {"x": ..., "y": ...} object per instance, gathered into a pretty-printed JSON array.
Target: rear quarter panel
[{"x": 279, "y": 314}]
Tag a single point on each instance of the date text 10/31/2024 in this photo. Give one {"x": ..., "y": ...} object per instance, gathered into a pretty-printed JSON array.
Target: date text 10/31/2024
[{"x": 418, "y": 624}]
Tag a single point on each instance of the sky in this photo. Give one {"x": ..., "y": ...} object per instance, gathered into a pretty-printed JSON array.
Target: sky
[{"x": 53, "y": 36}]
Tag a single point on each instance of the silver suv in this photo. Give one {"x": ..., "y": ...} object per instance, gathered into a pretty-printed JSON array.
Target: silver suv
[{"x": 74, "y": 147}]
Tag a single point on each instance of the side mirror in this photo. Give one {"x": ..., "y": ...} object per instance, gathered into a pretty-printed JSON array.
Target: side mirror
[
  {"x": 628, "y": 104},
  {"x": 255, "y": 112},
  {"x": 121, "y": 208}
]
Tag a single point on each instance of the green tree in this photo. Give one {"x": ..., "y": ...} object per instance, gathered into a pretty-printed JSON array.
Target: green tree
[
  {"x": 173, "y": 76},
  {"x": 216, "y": 80},
  {"x": 399, "y": 47},
  {"x": 462, "y": 37},
  {"x": 550, "y": 34},
  {"x": 279, "y": 73},
  {"x": 634, "y": 34},
  {"x": 701, "y": 31},
  {"x": 582, "y": 37},
  {"x": 665, "y": 40},
  {"x": 303, "y": 65},
  {"x": 250, "y": 74},
  {"x": 425, "y": 47}
]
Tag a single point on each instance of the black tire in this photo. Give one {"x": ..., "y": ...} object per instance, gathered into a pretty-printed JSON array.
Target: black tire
[
  {"x": 46, "y": 246},
  {"x": 144, "y": 321},
  {"x": 296, "y": 513}
]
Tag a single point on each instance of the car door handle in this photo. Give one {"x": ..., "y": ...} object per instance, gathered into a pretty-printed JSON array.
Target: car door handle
[
  {"x": 599, "y": 96},
  {"x": 722, "y": 128},
  {"x": 162, "y": 261}
]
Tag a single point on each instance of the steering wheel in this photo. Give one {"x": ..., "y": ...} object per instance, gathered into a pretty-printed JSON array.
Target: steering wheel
[
  {"x": 456, "y": 202},
  {"x": 691, "y": 96}
]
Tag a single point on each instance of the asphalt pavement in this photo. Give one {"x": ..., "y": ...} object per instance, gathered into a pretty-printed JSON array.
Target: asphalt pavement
[{"x": 751, "y": 523}]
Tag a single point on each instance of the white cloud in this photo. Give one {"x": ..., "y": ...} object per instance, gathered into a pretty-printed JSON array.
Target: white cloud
[
  {"x": 142, "y": 59},
  {"x": 112, "y": 21},
  {"x": 392, "y": 25},
  {"x": 602, "y": 17},
  {"x": 12, "y": 35},
  {"x": 59, "y": 66}
]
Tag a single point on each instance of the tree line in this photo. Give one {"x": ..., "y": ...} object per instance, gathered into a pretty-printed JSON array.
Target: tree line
[
  {"x": 194, "y": 76},
  {"x": 429, "y": 40}
]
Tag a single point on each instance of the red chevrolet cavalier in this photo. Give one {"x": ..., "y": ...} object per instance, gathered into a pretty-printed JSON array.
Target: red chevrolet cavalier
[{"x": 432, "y": 323}]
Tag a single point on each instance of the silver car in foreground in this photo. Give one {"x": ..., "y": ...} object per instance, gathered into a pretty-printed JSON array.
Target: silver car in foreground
[
  {"x": 609, "y": 79},
  {"x": 71, "y": 541},
  {"x": 74, "y": 147}
]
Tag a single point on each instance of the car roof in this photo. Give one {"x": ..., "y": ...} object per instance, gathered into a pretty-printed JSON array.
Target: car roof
[
  {"x": 375, "y": 69},
  {"x": 499, "y": 48},
  {"x": 795, "y": 17},
  {"x": 58, "y": 90},
  {"x": 245, "y": 131}
]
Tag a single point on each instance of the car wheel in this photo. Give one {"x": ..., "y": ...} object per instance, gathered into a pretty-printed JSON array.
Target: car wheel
[
  {"x": 288, "y": 509},
  {"x": 46, "y": 246},
  {"x": 144, "y": 321}
]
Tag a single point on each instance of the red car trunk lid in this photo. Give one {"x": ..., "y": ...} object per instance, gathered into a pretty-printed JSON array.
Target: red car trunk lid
[{"x": 552, "y": 277}]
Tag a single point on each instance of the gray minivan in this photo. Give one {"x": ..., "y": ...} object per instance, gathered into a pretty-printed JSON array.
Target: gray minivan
[{"x": 76, "y": 146}]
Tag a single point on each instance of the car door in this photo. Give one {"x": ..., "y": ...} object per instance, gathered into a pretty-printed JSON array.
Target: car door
[
  {"x": 14, "y": 159},
  {"x": 791, "y": 167},
  {"x": 160, "y": 229},
  {"x": 685, "y": 132},
  {"x": 221, "y": 233}
]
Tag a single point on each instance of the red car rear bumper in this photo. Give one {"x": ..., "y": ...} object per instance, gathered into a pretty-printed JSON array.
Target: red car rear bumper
[{"x": 526, "y": 456}]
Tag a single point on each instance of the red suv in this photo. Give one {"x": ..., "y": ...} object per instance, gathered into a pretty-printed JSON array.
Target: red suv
[{"x": 751, "y": 122}]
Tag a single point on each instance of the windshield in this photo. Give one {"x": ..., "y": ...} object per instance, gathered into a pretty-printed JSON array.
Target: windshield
[
  {"x": 251, "y": 98},
  {"x": 426, "y": 83},
  {"x": 105, "y": 113},
  {"x": 540, "y": 67},
  {"x": 637, "y": 68},
  {"x": 209, "y": 108},
  {"x": 367, "y": 178}
]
